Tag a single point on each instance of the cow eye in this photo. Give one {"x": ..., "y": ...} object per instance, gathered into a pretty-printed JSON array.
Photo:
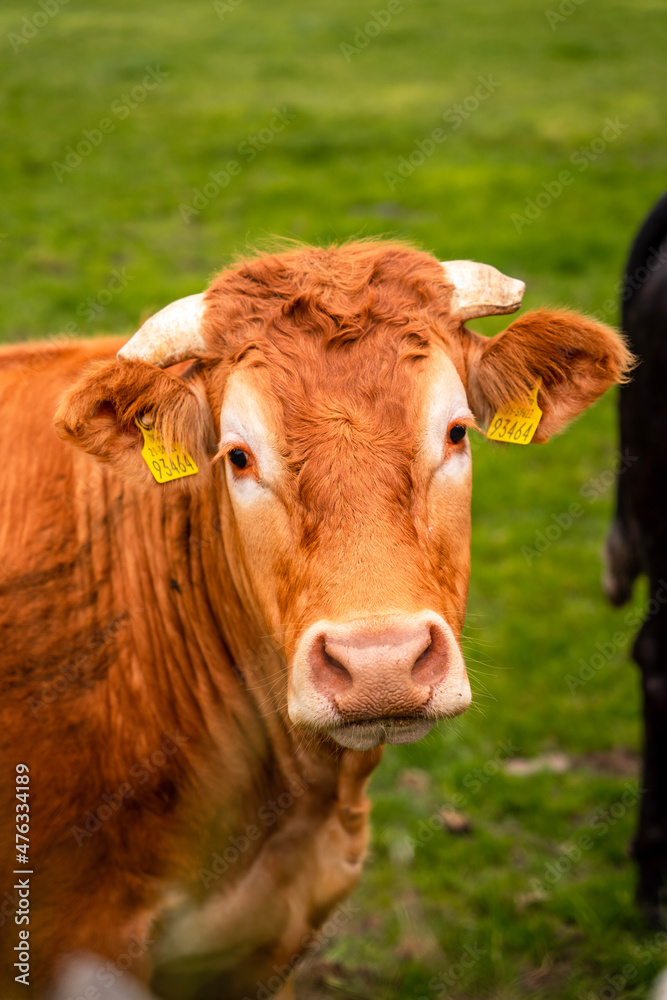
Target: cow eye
[
  {"x": 457, "y": 433},
  {"x": 239, "y": 458}
]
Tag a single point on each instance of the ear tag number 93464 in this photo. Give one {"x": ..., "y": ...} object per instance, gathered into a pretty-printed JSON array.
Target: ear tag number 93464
[
  {"x": 165, "y": 465},
  {"x": 517, "y": 422}
]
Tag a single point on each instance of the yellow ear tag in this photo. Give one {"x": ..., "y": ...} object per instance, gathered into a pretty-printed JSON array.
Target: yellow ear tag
[
  {"x": 165, "y": 465},
  {"x": 517, "y": 422}
]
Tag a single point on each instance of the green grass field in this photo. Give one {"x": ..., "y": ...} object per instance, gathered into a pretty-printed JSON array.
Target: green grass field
[{"x": 537, "y": 898}]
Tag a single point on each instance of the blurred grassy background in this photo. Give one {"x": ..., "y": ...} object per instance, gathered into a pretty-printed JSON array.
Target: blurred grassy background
[{"x": 428, "y": 901}]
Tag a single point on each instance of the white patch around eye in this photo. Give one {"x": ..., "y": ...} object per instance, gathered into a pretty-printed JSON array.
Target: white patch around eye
[
  {"x": 445, "y": 403},
  {"x": 246, "y": 423}
]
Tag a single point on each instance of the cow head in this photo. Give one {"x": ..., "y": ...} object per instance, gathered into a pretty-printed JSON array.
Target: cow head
[{"x": 329, "y": 410}]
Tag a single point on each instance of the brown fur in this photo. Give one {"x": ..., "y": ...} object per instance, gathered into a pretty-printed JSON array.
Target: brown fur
[{"x": 155, "y": 612}]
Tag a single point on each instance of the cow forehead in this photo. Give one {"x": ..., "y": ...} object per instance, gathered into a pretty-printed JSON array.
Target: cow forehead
[{"x": 426, "y": 397}]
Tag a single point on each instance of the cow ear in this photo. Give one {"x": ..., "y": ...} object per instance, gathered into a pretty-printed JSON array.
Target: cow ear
[
  {"x": 98, "y": 413},
  {"x": 574, "y": 359}
]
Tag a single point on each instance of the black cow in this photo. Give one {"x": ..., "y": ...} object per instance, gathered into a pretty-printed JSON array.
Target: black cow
[{"x": 637, "y": 541}]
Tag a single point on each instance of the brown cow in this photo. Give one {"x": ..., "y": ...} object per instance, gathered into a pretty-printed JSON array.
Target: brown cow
[{"x": 199, "y": 675}]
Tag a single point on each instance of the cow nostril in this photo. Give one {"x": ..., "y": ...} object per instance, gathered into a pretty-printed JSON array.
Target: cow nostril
[
  {"x": 330, "y": 674},
  {"x": 429, "y": 667},
  {"x": 425, "y": 653},
  {"x": 422, "y": 665},
  {"x": 337, "y": 668}
]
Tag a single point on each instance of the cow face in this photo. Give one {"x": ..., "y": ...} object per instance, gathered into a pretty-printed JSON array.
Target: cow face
[
  {"x": 343, "y": 385},
  {"x": 349, "y": 481}
]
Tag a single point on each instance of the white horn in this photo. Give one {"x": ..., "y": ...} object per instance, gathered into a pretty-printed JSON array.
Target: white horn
[
  {"x": 171, "y": 335},
  {"x": 481, "y": 290}
]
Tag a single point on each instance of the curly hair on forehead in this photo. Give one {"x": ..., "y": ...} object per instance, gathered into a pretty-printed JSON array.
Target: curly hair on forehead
[
  {"x": 335, "y": 296},
  {"x": 335, "y": 331}
]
